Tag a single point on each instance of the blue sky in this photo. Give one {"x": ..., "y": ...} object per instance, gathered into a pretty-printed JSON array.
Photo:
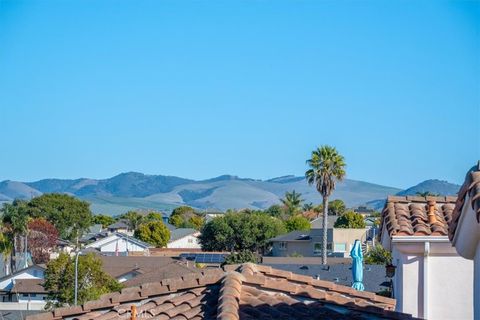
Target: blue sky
[{"x": 203, "y": 88}]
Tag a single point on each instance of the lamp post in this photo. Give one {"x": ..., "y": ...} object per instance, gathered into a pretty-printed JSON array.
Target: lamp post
[{"x": 76, "y": 277}]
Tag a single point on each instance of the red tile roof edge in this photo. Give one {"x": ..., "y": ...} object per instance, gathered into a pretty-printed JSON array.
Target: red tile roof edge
[
  {"x": 470, "y": 187},
  {"x": 390, "y": 216}
]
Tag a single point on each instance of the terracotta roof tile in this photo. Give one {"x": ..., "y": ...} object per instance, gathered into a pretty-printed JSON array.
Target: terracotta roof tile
[
  {"x": 470, "y": 189},
  {"x": 247, "y": 292},
  {"x": 409, "y": 215}
]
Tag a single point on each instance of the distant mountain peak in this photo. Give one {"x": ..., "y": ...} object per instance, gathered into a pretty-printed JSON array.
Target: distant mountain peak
[{"x": 434, "y": 186}]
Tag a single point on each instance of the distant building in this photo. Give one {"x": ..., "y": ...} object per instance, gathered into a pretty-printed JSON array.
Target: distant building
[
  {"x": 431, "y": 280},
  {"x": 23, "y": 290},
  {"x": 363, "y": 210},
  {"x": 464, "y": 231},
  {"x": 120, "y": 244},
  {"x": 120, "y": 226},
  {"x": 184, "y": 238},
  {"x": 309, "y": 243}
]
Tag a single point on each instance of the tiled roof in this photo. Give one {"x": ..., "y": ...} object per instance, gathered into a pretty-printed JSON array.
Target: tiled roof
[
  {"x": 374, "y": 277},
  {"x": 470, "y": 188},
  {"x": 246, "y": 292},
  {"x": 176, "y": 269},
  {"x": 180, "y": 233},
  {"x": 117, "y": 266},
  {"x": 409, "y": 215},
  {"x": 28, "y": 286}
]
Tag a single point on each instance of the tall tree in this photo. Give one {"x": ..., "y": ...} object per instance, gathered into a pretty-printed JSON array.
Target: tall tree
[
  {"x": 42, "y": 237},
  {"x": 327, "y": 167},
  {"x": 350, "y": 220},
  {"x": 92, "y": 280},
  {"x": 292, "y": 202},
  {"x": 71, "y": 216},
  {"x": 153, "y": 232},
  {"x": 15, "y": 219}
]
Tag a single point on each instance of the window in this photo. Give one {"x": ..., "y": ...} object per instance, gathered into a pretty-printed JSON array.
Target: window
[
  {"x": 340, "y": 247},
  {"x": 317, "y": 248},
  {"x": 24, "y": 294},
  {"x": 282, "y": 245},
  {"x": 190, "y": 240},
  {"x": 33, "y": 295}
]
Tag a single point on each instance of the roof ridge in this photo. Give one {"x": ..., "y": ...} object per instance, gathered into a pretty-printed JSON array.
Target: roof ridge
[
  {"x": 414, "y": 198},
  {"x": 228, "y": 301}
]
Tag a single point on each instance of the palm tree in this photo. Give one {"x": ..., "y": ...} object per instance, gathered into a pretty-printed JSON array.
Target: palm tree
[
  {"x": 292, "y": 201},
  {"x": 307, "y": 206},
  {"x": 15, "y": 218},
  {"x": 326, "y": 167}
]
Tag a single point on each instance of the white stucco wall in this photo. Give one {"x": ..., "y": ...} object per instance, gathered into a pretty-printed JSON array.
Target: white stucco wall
[
  {"x": 109, "y": 244},
  {"x": 448, "y": 277},
  {"x": 189, "y": 242},
  {"x": 477, "y": 283},
  {"x": 123, "y": 246}
]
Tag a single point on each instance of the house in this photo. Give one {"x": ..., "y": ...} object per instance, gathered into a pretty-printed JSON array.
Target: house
[
  {"x": 120, "y": 226},
  {"x": 431, "y": 278},
  {"x": 119, "y": 243},
  {"x": 23, "y": 289},
  {"x": 135, "y": 270},
  {"x": 309, "y": 243},
  {"x": 464, "y": 231},
  {"x": 364, "y": 211},
  {"x": 245, "y": 292},
  {"x": 184, "y": 238}
]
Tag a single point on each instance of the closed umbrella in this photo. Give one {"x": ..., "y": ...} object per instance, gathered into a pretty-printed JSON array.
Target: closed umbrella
[{"x": 357, "y": 266}]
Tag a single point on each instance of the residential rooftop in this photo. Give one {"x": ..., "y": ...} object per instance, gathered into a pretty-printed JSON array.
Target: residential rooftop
[{"x": 245, "y": 291}]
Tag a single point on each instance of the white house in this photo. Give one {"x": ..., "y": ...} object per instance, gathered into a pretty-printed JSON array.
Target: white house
[
  {"x": 431, "y": 280},
  {"x": 23, "y": 289},
  {"x": 465, "y": 228},
  {"x": 119, "y": 243},
  {"x": 184, "y": 238}
]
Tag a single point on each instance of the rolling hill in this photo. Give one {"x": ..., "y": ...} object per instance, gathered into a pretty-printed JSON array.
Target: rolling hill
[{"x": 133, "y": 190}]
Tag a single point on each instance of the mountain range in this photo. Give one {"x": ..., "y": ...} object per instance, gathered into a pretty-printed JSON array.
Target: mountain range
[{"x": 133, "y": 190}]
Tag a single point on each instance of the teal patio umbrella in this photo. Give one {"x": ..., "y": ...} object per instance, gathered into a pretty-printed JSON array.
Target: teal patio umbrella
[{"x": 357, "y": 266}]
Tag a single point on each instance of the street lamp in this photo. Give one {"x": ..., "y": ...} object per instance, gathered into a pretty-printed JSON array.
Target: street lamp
[{"x": 76, "y": 276}]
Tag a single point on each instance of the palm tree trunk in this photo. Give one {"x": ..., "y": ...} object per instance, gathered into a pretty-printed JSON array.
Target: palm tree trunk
[{"x": 325, "y": 230}]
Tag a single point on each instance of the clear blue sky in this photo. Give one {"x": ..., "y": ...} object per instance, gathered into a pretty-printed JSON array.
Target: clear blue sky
[{"x": 201, "y": 88}]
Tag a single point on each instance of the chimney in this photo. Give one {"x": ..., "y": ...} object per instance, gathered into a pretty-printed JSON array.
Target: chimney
[
  {"x": 133, "y": 312},
  {"x": 431, "y": 212}
]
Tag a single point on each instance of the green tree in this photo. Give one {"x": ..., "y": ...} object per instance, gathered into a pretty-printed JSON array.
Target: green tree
[
  {"x": 240, "y": 231},
  {"x": 186, "y": 217},
  {"x": 154, "y": 216},
  {"x": 307, "y": 206},
  {"x": 103, "y": 219},
  {"x": 134, "y": 219},
  {"x": 153, "y": 232},
  {"x": 336, "y": 207},
  {"x": 350, "y": 220},
  {"x": 378, "y": 255},
  {"x": 242, "y": 257},
  {"x": 92, "y": 280},
  {"x": 69, "y": 215},
  {"x": 15, "y": 219},
  {"x": 292, "y": 202},
  {"x": 276, "y": 211},
  {"x": 297, "y": 223},
  {"x": 326, "y": 167}
]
